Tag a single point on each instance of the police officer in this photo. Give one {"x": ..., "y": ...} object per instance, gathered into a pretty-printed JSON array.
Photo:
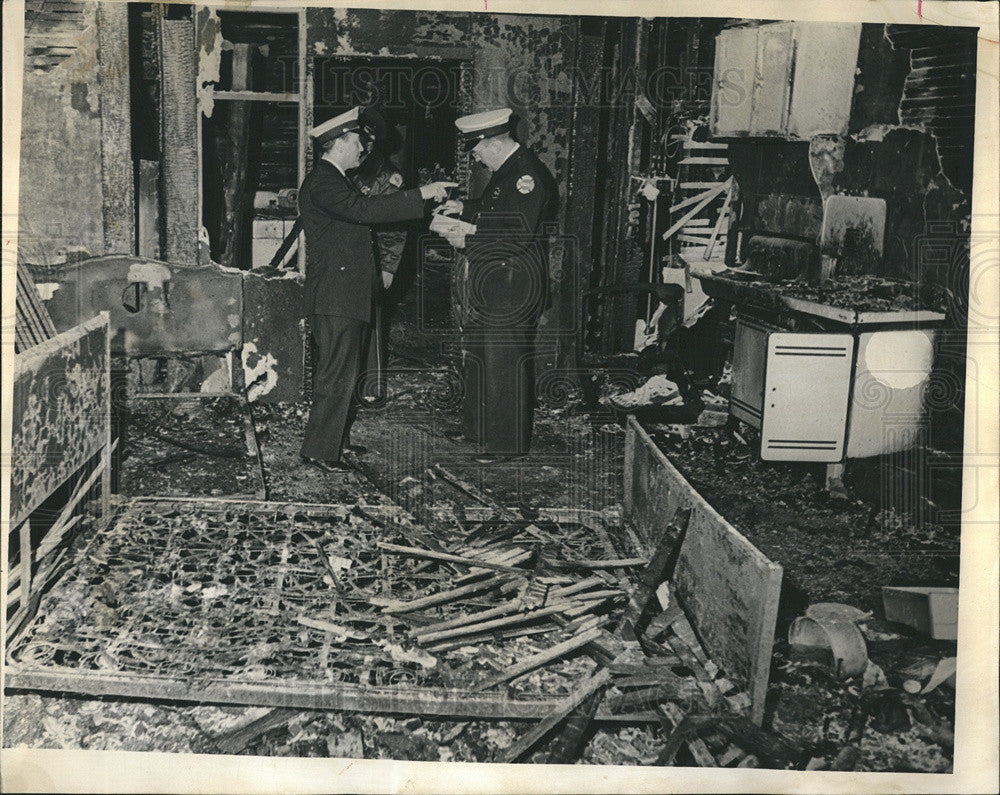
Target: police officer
[
  {"x": 505, "y": 284},
  {"x": 341, "y": 278}
]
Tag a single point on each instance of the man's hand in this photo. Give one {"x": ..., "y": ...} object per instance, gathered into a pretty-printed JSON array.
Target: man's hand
[
  {"x": 436, "y": 190},
  {"x": 386, "y": 279},
  {"x": 451, "y": 207}
]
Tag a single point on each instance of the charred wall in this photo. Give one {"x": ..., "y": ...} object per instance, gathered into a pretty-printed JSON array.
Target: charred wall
[
  {"x": 61, "y": 128},
  {"x": 910, "y": 141},
  {"x": 519, "y": 61}
]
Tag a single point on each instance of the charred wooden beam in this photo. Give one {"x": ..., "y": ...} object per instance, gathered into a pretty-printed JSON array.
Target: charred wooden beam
[
  {"x": 566, "y": 747},
  {"x": 637, "y": 614},
  {"x": 180, "y": 144},
  {"x": 298, "y": 695},
  {"x": 565, "y": 707},
  {"x": 542, "y": 658}
]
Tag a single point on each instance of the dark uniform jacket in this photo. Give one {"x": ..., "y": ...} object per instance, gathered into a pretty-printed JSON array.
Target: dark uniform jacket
[
  {"x": 378, "y": 179},
  {"x": 507, "y": 281},
  {"x": 341, "y": 273}
]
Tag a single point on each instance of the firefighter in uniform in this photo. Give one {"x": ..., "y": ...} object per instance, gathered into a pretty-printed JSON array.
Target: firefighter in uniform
[
  {"x": 504, "y": 284},
  {"x": 342, "y": 278}
]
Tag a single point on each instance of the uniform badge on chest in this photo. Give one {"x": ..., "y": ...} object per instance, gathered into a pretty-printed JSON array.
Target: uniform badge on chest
[
  {"x": 496, "y": 192},
  {"x": 526, "y": 184}
]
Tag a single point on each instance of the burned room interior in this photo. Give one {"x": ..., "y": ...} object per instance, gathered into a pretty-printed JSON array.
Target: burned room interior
[{"x": 734, "y": 540}]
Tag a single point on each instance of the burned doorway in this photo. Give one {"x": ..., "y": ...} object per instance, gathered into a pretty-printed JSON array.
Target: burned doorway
[
  {"x": 251, "y": 138},
  {"x": 419, "y": 100}
]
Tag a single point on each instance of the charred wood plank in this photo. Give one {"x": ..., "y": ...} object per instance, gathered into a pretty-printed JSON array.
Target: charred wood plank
[
  {"x": 234, "y": 741},
  {"x": 542, "y": 658},
  {"x": 637, "y": 614},
  {"x": 469, "y": 629},
  {"x": 566, "y": 747},
  {"x": 449, "y": 596},
  {"x": 529, "y": 740},
  {"x": 447, "y": 557},
  {"x": 683, "y": 730},
  {"x": 675, "y": 688},
  {"x": 296, "y": 694}
]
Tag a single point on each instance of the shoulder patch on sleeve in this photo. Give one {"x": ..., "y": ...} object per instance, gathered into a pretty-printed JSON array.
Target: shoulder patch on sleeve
[
  {"x": 396, "y": 180},
  {"x": 526, "y": 184}
]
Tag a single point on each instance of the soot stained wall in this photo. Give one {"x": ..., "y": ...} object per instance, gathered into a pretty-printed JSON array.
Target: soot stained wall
[
  {"x": 60, "y": 177},
  {"x": 520, "y": 61}
]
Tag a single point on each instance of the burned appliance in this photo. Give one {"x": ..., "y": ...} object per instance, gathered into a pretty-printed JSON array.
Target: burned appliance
[
  {"x": 854, "y": 391},
  {"x": 831, "y": 358}
]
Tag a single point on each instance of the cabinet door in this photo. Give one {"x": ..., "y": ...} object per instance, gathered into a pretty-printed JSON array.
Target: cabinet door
[
  {"x": 732, "y": 91},
  {"x": 771, "y": 83},
  {"x": 826, "y": 58},
  {"x": 806, "y": 391},
  {"x": 746, "y": 401}
]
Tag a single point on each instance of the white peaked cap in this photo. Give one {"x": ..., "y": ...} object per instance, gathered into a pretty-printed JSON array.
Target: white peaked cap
[
  {"x": 477, "y": 126},
  {"x": 337, "y": 126}
]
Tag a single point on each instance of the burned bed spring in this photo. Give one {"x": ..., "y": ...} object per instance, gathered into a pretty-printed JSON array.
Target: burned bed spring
[{"x": 271, "y": 604}]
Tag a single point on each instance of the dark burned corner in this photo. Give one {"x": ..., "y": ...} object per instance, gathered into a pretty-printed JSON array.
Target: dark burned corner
[{"x": 734, "y": 541}]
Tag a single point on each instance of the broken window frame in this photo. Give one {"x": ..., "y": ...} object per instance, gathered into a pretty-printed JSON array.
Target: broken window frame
[{"x": 302, "y": 97}]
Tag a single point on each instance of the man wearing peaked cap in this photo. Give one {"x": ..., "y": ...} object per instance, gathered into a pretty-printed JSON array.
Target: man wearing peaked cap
[
  {"x": 480, "y": 126},
  {"x": 504, "y": 285},
  {"x": 341, "y": 277}
]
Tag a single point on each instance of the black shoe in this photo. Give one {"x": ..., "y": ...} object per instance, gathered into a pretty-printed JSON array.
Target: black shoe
[
  {"x": 326, "y": 466},
  {"x": 357, "y": 449},
  {"x": 455, "y": 436}
]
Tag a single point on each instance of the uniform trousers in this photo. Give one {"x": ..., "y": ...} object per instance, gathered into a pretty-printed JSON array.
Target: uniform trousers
[
  {"x": 499, "y": 387},
  {"x": 374, "y": 383},
  {"x": 340, "y": 351}
]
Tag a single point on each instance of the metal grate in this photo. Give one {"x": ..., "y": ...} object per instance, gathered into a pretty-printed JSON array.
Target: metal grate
[
  {"x": 188, "y": 588},
  {"x": 230, "y": 601},
  {"x": 32, "y": 322}
]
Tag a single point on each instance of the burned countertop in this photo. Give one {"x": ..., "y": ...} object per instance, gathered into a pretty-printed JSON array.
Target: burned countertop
[{"x": 852, "y": 300}]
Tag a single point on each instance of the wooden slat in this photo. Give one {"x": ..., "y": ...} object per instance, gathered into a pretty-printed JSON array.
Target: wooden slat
[
  {"x": 538, "y": 660},
  {"x": 636, "y": 617},
  {"x": 704, "y": 161},
  {"x": 447, "y": 557},
  {"x": 256, "y": 96},
  {"x": 117, "y": 178},
  {"x": 483, "y": 626},
  {"x": 689, "y": 144},
  {"x": 702, "y": 756},
  {"x": 708, "y": 194},
  {"x": 24, "y": 536},
  {"x": 305, "y": 695},
  {"x": 453, "y": 594},
  {"x": 696, "y": 209},
  {"x": 698, "y": 241},
  {"x": 723, "y": 215}
]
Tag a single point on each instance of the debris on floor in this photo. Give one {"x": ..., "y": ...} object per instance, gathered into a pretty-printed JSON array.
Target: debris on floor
[
  {"x": 657, "y": 391},
  {"x": 239, "y": 599}
]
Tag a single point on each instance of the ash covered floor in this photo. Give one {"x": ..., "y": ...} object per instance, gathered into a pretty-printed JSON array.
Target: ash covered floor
[{"x": 201, "y": 448}]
